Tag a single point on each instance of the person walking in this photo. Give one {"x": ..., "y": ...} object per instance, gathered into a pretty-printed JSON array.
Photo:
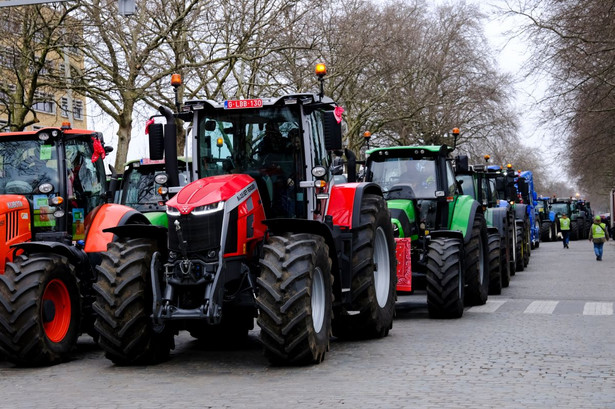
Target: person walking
[
  {"x": 599, "y": 235},
  {"x": 564, "y": 227}
]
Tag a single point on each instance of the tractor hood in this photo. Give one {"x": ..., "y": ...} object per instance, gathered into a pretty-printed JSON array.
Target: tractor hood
[{"x": 212, "y": 190}]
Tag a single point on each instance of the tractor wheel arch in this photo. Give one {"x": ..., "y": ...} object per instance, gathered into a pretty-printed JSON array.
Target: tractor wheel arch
[
  {"x": 464, "y": 215},
  {"x": 107, "y": 216}
]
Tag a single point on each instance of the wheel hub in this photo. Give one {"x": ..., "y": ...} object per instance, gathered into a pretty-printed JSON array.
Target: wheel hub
[
  {"x": 56, "y": 310},
  {"x": 49, "y": 311}
]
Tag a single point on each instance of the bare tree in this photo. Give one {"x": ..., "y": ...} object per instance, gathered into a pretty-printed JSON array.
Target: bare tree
[
  {"x": 32, "y": 59},
  {"x": 122, "y": 57},
  {"x": 574, "y": 46}
]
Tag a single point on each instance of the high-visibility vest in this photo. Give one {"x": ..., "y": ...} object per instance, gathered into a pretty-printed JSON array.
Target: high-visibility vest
[
  {"x": 598, "y": 230},
  {"x": 564, "y": 224}
]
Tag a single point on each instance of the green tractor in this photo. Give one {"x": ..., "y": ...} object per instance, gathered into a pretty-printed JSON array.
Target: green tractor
[
  {"x": 481, "y": 184},
  {"x": 577, "y": 217},
  {"x": 144, "y": 187},
  {"x": 448, "y": 231}
]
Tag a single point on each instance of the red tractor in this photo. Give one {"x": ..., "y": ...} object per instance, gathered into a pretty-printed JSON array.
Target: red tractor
[
  {"x": 53, "y": 194},
  {"x": 262, "y": 232}
]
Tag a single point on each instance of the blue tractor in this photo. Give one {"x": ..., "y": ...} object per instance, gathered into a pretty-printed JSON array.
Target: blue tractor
[{"x": 529, "y": 197}]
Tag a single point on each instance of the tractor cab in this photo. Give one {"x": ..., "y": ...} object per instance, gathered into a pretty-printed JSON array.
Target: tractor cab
[
  {"x": 422, "y": 175},
  {"x": 56, "y": 171}
]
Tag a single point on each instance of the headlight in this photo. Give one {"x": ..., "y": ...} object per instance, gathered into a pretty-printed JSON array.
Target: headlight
[
  {"x": 172, "y": 211},
  {"x": 319, "y": 171},
  {"x": 45, "y": 188},
  {"x": 161, "y": 178},
  {"x": 210, "y": 208}
]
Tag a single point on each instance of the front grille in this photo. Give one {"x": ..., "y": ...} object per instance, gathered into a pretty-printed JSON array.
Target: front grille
[
  {"x": 200, "y": 232},
  {"x": 12, "y": 225}
]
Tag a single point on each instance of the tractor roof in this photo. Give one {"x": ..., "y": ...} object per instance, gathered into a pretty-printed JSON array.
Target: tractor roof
[
  {"x": 403, "y": 151},
  {"x": 49, "y": 130},
  {"x": 289, "y": 99}
]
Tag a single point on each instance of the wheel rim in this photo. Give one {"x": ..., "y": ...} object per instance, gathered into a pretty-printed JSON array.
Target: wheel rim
[
  {"x": 382, "y": 274},
  {"x": 57, "y": 310},
  {"x": 318, "y": 299}
]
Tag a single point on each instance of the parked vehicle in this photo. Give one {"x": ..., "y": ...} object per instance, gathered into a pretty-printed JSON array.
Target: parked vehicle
[
  {"x": 481, "y": 184},
  {"x": 261, "y": 232},
  {"x": 52, "y": 210},
  {"x": 546, "y": 216},
  {"x": 447, "y": 229}
]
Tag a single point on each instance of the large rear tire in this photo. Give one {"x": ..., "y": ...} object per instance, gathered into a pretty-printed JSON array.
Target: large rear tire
[
  {"x": 476, "y": 263},
  {"x": 574, "y": 231},
  {"x": 512, "y": 244},
  {"x": 445, "y": 283},
  {"x": 374, "y": 276},
  {"x": 495, "y": 267},
  {"x": 295, "y": 299},
  {"x": 505, "y": 261},
  {"x": 546, "y": 231},
  {"x": 527, "y": 242},
  {"x": 124, "y": 304},
  {"x": 519, "y": 248},
  {"x": 40, "y": 310}
]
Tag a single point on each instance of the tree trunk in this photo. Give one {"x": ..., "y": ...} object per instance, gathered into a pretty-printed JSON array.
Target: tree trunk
[{"x": 123, "y": 137}]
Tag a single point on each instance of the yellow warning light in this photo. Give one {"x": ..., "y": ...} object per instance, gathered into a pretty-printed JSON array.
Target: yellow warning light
[
  {"x": 509, "y": 166},
  {"x": 487, "y": 157},
  {"x": 219, "y": 142},
  {"x": 65, "y": 125},
  {"x": 455, "y": 131},
  {"x": 176, "y": 80},
  {"x": 367, "y": 134},
  {"x": 321, "y": 69}
]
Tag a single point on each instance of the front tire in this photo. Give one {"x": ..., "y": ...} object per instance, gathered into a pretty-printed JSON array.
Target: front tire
[
  {"x": 445, "y": 283},
  {"x": 40, "y": 310},
  {"x": 495, "y": 267},
  {"x": 476, "y": 263},
  {"x": 372, "y": 308},
  {"x": 295, "y": 299},
  {"x": 124, "y": 305}
]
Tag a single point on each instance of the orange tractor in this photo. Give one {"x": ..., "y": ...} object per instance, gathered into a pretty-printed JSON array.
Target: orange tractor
[
  {"x": 263, "y": 231},
  {"x": 53, "y": 194}
]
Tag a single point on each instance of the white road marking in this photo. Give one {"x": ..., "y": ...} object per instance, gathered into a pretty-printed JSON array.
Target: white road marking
[
  {"x": 541, "y": 307},
  {"x": 490, "y": 306},
  {"x": 598, "y": 308}
]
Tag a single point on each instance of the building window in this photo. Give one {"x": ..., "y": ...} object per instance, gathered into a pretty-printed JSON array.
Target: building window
[
  {"x": 44, "y": 103},
  {"x": 64, "y": 106},
  {"x": 77, "y": 108}
]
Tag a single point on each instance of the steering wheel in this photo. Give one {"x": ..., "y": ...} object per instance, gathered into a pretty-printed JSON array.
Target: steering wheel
[{"x": 18, "y": 187}]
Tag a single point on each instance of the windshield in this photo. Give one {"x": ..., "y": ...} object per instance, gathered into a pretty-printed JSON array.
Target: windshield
[
  {"x": 139, "y": 190},
  {"x": 467, "y": 185},
  {"x": 25, "y": 165},
  {"x": 241, "y": 141},
  {"x": 561, "y": 208},
  {"x": 419, "y": 174}
]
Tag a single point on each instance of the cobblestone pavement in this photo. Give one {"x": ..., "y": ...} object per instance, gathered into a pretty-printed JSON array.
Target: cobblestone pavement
[{"x": 548, "y": 341}]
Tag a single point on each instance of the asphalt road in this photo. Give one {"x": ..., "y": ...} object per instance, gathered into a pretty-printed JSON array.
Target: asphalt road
[{"x": 547, "y": 342}]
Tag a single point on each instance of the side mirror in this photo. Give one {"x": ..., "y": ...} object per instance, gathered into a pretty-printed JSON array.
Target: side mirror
[
  {"x": 210, "y": 126},
  {"x": 333, "y": 132},
  {"x": 461, "y": 164},
  {"x": 156, "y": 141},
  {"x": 113, "y": 185}
]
